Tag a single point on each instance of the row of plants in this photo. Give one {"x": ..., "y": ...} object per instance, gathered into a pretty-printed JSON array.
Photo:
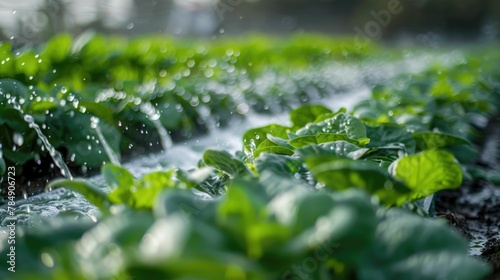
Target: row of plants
[
  {"x": 135, "y": 89},
  {"x": 335, "y": 194}
]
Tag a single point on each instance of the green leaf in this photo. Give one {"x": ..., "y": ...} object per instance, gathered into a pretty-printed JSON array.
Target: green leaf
[
  {"x": 279, "y": 141},
  {"x": 434, "y": 140},
  {"x": 337, "y": 148},
  {"x": 302, "y": 141},
  {"x": 311, "y": 206},
  {"x": 341, "y": 123},
  {"x": 307, "y": 114},
  {"x": 428, "y": 172},
  {"x": 280, "y": 165},
  {"x": 243, "y": 214},
  {"x": 225, "y": 162},
  {"x": 349, "y": 227},
  {"x": 254, "y": 137},
  {"x": 117, "y": 176},
  {"x": 92, "y": 192},
  {"x": 409, "y": 247},
  {"x": 341, "y": 173},
  {"x": 147, "y": 189},
  {"x": 267, "y": 146},
  {"x": 387, "y": 134}
]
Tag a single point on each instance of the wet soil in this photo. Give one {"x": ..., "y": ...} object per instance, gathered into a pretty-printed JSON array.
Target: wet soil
[{"x": 474, "y": 208}]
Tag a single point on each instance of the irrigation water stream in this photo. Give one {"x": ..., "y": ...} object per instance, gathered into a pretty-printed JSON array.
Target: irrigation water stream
[{"x": 349, "y": 84}]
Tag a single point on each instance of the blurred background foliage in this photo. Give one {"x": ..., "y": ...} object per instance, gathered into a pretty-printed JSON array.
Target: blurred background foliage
[{"x": 421, "y": 21}]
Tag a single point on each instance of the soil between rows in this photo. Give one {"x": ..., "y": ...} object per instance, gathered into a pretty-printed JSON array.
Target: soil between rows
[{"x": 474, "y": 208}]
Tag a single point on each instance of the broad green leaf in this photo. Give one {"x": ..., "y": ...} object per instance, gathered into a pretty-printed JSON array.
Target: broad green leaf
[
  {"x": 243, "y": 212},
  {"x": 409, "y": 247},
  {"x": 307, "y": 114},
  {"x": 434, "y": 140},
  {"x": 147, "y": 189},
  {"x": 310, "y": 207},
  {"x": 428, "y": 172},
  {"x": 340, "y": 225},
  {"x": 280, "y": 165},
  {"x": 254, "y": 137},
  {"x": 341, "y": 173},
  {"x": 352, "y": 127},
  {"x": 267, "y": 146},
  {"x": 302, "y": 141},
  {"x": 243, "y": 207},
  {"x": 349, "y": 226},
  {"x": 338, "y": 148},
  {"x": 279, "y": 141},
  {"x": 225, "y": 162},
  {"x": 388, "y": 134},
  {"x": 92, "y": 192},
  {"x": 117, "y": 177}
]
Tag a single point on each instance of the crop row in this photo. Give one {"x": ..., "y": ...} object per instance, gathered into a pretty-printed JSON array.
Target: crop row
[
  {"x": 326, "y": 197},
  {"x": 142, "y": 92}
]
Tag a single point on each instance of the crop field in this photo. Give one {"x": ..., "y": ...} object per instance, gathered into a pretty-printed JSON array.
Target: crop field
[{"x": 300, "y": 157}]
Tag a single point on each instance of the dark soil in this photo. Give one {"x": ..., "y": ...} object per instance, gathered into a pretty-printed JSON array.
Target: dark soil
[{"x": 474, "y": 208}]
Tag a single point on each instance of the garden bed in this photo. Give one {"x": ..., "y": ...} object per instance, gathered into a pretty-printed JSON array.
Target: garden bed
[{"x": 331, "y": 193}]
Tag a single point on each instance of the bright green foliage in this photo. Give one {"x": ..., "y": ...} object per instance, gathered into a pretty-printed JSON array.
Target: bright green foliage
[
  {"x": 339, "y": 124},
  {"x": 429, "y": 171},
  {"x": 314, "y": 200},
  {"x": 253, "y": 138},
  {"x": 432, "y": 140},
  {"x": 306, "y": 114},
  {"x": 251, "y": 233},
  {"x": 339, "y": 173},
  {"x": 133, "y": 86},
  {"x": 224, "y": 162},
  {"x": 125, "y": 189}
]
